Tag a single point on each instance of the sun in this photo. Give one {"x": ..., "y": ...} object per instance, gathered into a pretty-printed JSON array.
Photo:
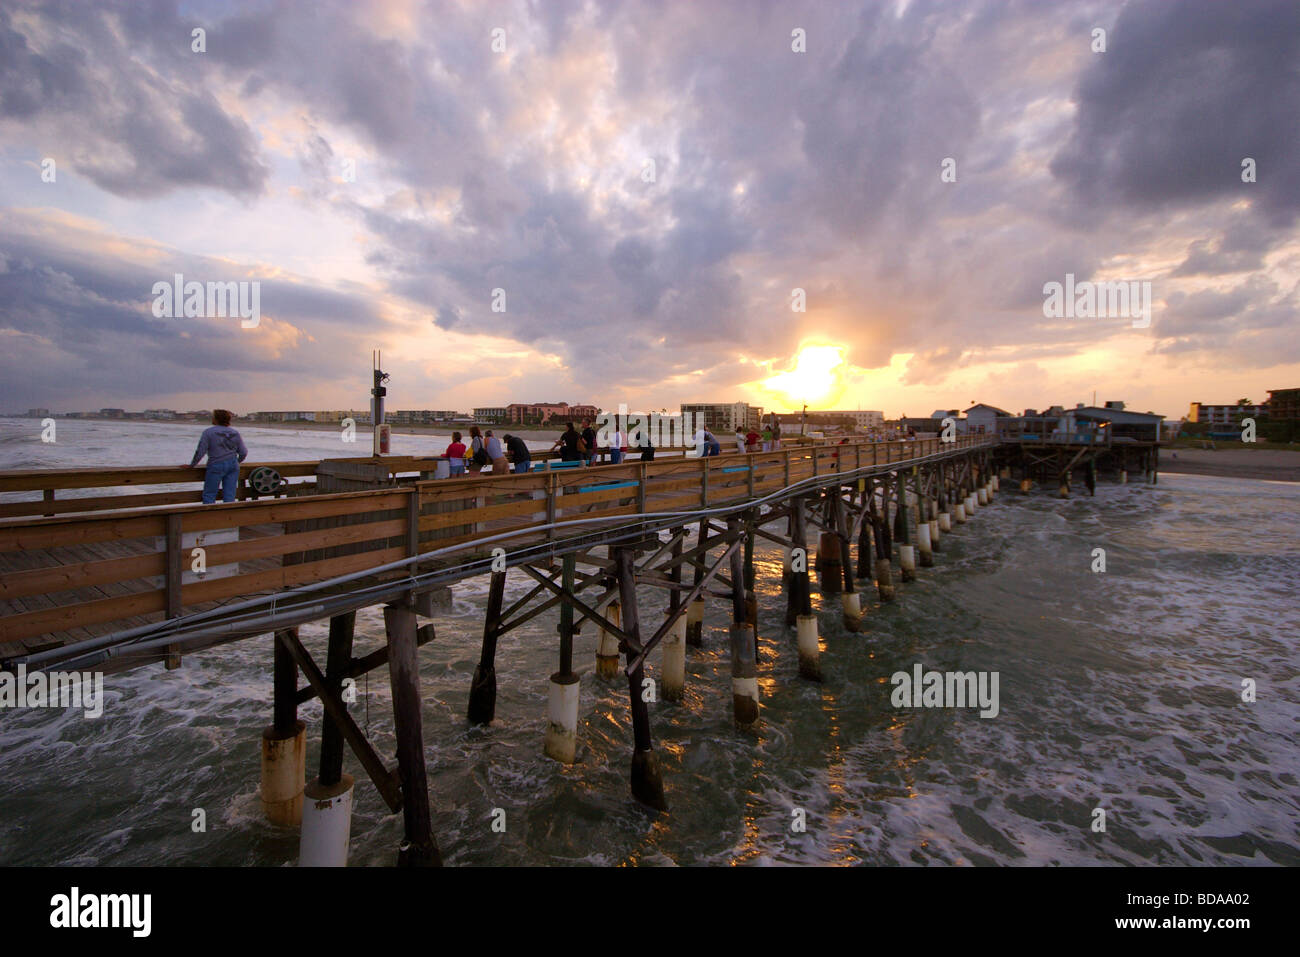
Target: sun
[{"x": 816, "y": 379}]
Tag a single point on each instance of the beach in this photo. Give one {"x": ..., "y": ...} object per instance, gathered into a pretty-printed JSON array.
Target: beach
[{"x": 1278, "y": 465}]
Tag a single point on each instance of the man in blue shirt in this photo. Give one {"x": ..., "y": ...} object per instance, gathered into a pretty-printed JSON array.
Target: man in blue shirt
[{"x": 225, "y": 449}]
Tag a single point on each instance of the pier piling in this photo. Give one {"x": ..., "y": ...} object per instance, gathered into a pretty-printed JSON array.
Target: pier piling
[
  {"x": 483, "y": 687},
  {"x": 284, "y": 746},
  {"x": 744, "y": 664},
  {"x": 647, "y": 777},
  {"x": 561, "y": 741},
  {"x": 418, "y": 848}
]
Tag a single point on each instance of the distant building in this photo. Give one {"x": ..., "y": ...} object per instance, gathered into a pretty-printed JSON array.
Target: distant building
[
  {"x": 113, "y": 413},
  {"x": 921, "y": 426},
  {"x": 491, "y": 415},
  {"x": 293, "y": 416},
  {"x": 981, "y": 418},
  {"x": 420, "y": 416},
  {"x": 1226, "y": 415},
  {"x": 1284, "y": 405},
  {"x": 865, "y": 420},
  {"x": 159, "y": 414},
  {"x": 541, "y": 413},
  {"x": 1130, "y": 426},
  {"x": 723, "y": 417},
  {"x": 38, "y": 413},
  {"x": 1284, "y": 414}
]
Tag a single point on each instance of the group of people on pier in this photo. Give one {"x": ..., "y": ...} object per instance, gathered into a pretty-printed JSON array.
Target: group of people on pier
[{"x": 485, "y": 453}]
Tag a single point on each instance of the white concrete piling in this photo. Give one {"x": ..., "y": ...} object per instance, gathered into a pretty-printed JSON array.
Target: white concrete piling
[
  {"x": 607, "y": 645},
  {"x": 326, "y": 824},
  {"x": 695, "y": 623},
  {"x": 744, "y": 677},
  {"x": 851, "y": 602},
  {"x": 284, "y": 773},
  {"x": 809, "y": 648},
  {"x": 562, "y": 718},
  {"x": 924, "y": 544},
  {"x": 907, "y": 562}
]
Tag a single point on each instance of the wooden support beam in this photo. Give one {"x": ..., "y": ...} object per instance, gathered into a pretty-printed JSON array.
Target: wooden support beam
[
  {"x": 570, "y": 599},
  {"x": 566, "y": 621},
  {"x": 802, "y": 579},
  {"x": 696, "y": 590},
  {"x": 483, "y": 687},
  {"x": 338, "y": 661},
  {"x": 388, "y": 784},
  {"x": 744, "y": 662},
  {"x": 647, "y": 778},
  {"x": 418, "y": 848},
  {"x": 284, "y": 684}
]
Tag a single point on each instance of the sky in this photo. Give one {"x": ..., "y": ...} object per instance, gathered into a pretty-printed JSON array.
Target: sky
[{"x": 852, "y": 205}]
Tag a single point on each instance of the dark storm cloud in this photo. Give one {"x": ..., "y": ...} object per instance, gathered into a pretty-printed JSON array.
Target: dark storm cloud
[
  {"x": 1185, "y": 92},
  {"x": 97, "y": 104}
]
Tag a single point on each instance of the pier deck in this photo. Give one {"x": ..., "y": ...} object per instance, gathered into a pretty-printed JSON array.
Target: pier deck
[{"x": 69, "y": 578}]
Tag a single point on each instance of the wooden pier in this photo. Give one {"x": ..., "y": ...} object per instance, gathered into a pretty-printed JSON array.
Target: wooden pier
[{"x": 150, "y": 578}]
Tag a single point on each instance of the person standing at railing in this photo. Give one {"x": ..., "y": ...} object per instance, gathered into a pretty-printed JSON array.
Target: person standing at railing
[
  {"x": 588, "y": 437},
  {"x": 496, "y": 454},
  {"x": 519, "y": 454},
  {"x": 456, "y": 455},
  {"x": 569, "y": 444},
  {"x": 225, "y": 449},
  {"x": 740, "y": 438},
  {"x": 477, "y": 451},
  {"x": 617, "y": 445}
]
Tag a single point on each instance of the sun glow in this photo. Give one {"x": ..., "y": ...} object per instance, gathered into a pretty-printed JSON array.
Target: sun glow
[{"x": 817, "y": 378}]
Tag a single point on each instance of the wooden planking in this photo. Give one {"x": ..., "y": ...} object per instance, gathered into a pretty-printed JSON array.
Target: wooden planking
[
  {"x": 63, "y": 617},
  {"x": 53, "y": 533},
  {"x": 481, "y": 515},
  {"x": 99, "y": 503}
]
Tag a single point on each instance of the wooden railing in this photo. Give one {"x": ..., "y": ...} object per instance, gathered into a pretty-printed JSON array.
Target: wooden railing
[
  {"x": 122, "y": 483},
  {"x": 75, "y": 572}
]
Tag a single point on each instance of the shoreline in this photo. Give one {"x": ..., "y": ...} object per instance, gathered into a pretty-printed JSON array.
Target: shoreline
[{"x": 1275, "y": 465}]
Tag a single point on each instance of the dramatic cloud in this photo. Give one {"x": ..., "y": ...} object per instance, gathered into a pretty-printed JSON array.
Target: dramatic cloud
[{"x": 618, "y": 204}]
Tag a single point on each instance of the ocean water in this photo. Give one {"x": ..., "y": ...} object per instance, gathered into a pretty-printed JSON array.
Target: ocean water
[{"x": 1119, "y": 690}]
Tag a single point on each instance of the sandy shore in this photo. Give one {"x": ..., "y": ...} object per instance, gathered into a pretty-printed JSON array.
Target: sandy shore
[{"x": 1277, "y": 465}]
